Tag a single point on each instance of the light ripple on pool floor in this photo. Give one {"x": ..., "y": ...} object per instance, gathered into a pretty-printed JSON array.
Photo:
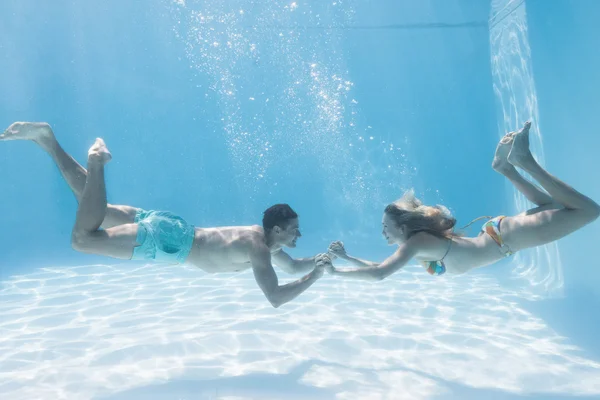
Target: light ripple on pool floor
[{"x": 127, "y": 326}]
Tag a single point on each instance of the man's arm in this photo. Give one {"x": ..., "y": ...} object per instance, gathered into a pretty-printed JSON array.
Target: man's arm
[
  {"x": 293, "y": 265},
  {"x": 265, "y": 276}
]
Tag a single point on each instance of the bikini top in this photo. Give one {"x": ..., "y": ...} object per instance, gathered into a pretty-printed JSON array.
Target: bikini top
[{"x": 437, "y": 267}]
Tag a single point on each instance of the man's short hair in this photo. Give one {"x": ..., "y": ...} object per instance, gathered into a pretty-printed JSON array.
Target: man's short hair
[{"x": 278, "y": 215}]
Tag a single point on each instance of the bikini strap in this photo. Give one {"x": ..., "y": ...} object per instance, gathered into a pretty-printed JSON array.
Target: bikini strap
[
  {"x": 475, "y": 220},
  {"x": 469, "y": 224},
  {"x": 447, "y": 250}
]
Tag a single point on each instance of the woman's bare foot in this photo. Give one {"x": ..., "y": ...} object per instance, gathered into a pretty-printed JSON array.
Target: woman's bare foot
[
  {"x": 39, "y": 132},
  {"x": 99, "y": 152},
  {"x": 500, "y": 162},
  {"x": 520, "y": 153}
]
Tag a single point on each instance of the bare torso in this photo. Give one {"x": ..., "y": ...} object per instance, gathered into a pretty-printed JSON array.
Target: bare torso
[
  {"x": 465, "y": 253},
  {"x": 224, "y": 249}
]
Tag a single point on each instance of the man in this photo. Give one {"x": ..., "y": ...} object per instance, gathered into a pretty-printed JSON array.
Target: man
[{"x": 126, "y": 232}]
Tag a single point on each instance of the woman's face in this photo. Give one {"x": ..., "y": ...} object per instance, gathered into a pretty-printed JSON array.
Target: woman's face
[{"x": 392, "y": 232}]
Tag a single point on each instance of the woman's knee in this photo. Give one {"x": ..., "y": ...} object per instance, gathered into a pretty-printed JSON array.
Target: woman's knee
[
  {"x": 594, "y": 211},
  {"x": 550, "y": 206}
]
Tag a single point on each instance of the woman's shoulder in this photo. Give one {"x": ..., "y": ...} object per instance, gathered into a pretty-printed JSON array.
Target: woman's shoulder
[
  {"x": 426, "y": 238},
  {"x": 426, "y": 243}
]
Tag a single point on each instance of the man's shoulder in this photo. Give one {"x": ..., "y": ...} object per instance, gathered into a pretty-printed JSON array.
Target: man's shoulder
[
  {"x": 256, "y": 233},
  {"x": 255, "y": 238},
  {"x": 239, "y": 236},
  {"x": 242, "y": 231}
]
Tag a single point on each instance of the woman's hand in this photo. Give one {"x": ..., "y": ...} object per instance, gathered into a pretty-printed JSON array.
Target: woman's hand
[{"x": 337, "y": 249}]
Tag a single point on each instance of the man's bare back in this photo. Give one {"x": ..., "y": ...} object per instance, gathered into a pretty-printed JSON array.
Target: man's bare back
[{"x": 224, "y": 249}]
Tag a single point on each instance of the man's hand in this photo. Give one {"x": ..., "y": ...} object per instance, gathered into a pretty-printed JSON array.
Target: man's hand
[
  {"x": 337, "y": 249},
  {"x": 323, "y": 263}
]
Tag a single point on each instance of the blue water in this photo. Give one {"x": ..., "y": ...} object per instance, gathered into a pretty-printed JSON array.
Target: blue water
[{"x": 217, "y": 110}]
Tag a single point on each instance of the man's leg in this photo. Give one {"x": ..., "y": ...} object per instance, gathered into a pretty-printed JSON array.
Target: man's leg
[
  {"x": 118, "y": 241},
  {"x": 73, "y": 173}
]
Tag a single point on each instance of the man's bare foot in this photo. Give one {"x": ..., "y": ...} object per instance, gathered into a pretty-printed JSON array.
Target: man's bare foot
[
  {"x": 520, "y": 153},
  {"x": 500, "y": 162},
  {"x": 39, "y": 132},
  {"x": 99, "y": 152}
]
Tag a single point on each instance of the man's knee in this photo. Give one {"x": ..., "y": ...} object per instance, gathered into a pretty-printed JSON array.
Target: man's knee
[{"x": 80, "y": 241}]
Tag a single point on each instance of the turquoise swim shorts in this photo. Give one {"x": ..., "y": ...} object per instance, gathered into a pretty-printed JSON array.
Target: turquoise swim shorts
[{"x": 163, "y": 237}]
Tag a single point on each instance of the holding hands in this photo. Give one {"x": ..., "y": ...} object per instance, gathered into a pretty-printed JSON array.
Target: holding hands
[
  {"x": 322, "y": 263},
  {"x": 336, "y": 249}
]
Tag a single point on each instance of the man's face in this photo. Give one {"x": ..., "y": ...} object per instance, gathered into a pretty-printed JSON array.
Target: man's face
[{"x": 290, "y": 234}]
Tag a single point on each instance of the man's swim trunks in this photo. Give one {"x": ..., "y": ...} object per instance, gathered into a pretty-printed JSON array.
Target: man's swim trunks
[{"x": 163, "y": 237}]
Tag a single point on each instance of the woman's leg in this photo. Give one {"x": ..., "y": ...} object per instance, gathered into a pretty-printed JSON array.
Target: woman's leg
[
  {"x": 543, "y": 225},
  {"x": 501, "y": 165},
  {"x": 118, "y": 241}
]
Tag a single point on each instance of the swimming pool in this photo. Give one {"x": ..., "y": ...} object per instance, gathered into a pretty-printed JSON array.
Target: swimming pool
[{"x": 216, "y": 111}]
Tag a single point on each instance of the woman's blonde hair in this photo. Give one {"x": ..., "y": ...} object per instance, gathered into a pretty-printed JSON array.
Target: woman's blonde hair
[{"x": 410, "y": 212}]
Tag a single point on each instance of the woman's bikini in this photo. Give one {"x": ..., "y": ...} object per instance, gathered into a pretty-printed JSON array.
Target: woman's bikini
[
  {"x": 437, "y": 267},
  {"x": 491, "y": 227}
]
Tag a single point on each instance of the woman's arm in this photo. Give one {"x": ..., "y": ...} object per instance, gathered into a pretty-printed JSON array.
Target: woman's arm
[
  {"x": 360, "y": 263},
  {"x": 338, "y": 251},
  {"x": 373, "y": 271}
]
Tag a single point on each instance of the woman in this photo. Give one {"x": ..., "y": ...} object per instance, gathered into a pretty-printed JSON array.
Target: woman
[{"x": 427, "y": 233}]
